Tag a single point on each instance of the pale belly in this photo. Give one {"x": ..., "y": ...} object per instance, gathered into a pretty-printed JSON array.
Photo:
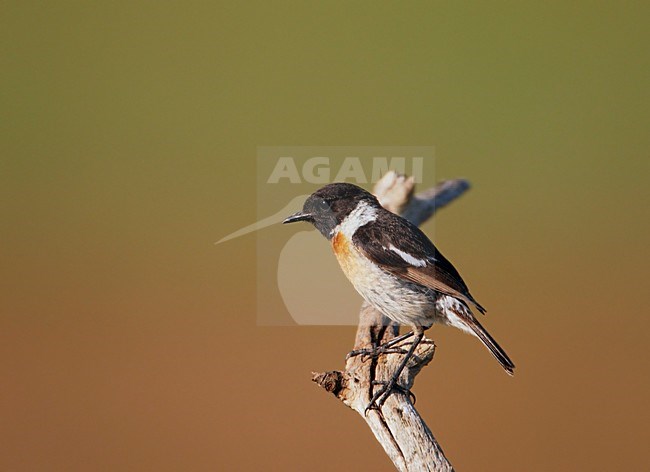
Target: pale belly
[{"x": 402, "y": 302}]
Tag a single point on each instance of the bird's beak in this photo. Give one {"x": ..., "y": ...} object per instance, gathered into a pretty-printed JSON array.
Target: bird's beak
[{"x": 300, "y": 216}]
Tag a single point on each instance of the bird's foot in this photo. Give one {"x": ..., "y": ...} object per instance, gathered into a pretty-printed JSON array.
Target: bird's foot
[
  {"x": 380, "y": 396},
  {"x": 385, "y": 348},
  {"x": 373, "y": 352}
]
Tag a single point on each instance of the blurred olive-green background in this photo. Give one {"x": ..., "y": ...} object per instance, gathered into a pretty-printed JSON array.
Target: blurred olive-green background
[{"x": 128, "y": 134}]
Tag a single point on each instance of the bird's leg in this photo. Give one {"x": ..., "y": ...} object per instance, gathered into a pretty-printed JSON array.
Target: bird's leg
[
  {"x": 398, "y": 388},
  {"x": 384, "y": 348},
  {"x": 380, "y": 396}
]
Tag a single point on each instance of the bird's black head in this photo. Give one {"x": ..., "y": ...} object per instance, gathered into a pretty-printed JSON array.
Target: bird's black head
[{"x": 328, "y": 206}]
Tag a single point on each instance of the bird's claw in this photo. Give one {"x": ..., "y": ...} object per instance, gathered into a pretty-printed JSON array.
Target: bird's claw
[
  {"x": 369, "y": 353},
  {"x": 379, "y": 398}
]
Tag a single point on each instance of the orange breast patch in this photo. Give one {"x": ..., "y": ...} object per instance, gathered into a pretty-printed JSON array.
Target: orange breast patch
[
  {"x": 345, "y": 253},
  {"x": 340, "y": 244}
]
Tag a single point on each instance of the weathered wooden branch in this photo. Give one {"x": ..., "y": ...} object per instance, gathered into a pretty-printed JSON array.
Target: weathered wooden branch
[{"x": 397, "y": 426}]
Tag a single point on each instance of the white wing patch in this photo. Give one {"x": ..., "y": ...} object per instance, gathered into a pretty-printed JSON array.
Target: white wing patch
[{"x": 415, "y": 262}]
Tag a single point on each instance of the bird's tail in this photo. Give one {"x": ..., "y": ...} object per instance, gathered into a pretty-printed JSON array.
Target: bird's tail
[{"x": 492, "y": 345}]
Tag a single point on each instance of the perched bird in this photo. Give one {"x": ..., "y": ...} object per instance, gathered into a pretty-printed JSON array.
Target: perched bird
[{"x": 395, "y": 268}]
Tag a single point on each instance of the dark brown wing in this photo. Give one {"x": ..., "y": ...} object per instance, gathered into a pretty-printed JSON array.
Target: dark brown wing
[{"x": 399, "y": 247}]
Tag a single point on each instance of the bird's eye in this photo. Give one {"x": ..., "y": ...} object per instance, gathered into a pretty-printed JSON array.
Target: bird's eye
[{"x": 322, "y": 204}]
